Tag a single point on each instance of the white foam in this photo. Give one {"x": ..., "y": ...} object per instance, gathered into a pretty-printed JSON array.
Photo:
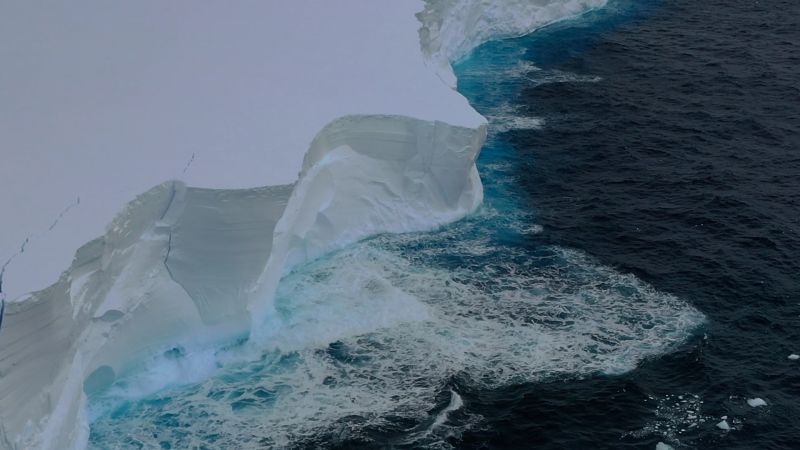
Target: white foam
[
  {"x": 456, "y": 402},
  {"x": 538, "y": 77},
  {"x": 506, "y": 117},
  {"x": 374, "y": 332}
]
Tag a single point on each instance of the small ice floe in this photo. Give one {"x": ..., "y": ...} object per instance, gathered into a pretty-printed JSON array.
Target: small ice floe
[
  {"x": 723, "y": 425},
  {"x": 663, "y": 446},
  {"x": 756, "y": 402},
  {"x": 794, "y": 357}
]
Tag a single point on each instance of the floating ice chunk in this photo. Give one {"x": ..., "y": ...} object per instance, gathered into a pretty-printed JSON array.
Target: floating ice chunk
[
  {"x": 756, "y": 402},
  {"x": 794, "y": 357},
  {"x": 723, "y": 425},
  {"x": 663, "y": 446}
]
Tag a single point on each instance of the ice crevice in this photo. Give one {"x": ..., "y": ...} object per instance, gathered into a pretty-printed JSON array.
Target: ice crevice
[{"x": 23, "y": 246}]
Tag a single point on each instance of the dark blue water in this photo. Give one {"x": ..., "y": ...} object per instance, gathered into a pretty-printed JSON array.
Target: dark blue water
[
  {"x": 630, "y": 279},
  {"x": 680, "y": 165}
]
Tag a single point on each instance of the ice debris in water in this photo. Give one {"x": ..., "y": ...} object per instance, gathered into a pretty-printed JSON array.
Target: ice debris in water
[
  {"x": 756, "y": 402},
  {"x": 675, "y": 415},
  {"x": 663, "y": 446},
  {"x": 723, "y": 425},
  {"x": 794, "y": 357}
]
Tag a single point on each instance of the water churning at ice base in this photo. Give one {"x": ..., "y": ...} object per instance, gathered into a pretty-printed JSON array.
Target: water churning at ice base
[
  {"x": 376, "y": 333},
  {"x": 382, "y": 334}
]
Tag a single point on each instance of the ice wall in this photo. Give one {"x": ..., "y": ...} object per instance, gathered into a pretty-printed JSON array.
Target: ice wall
[
  {"x": 185, "y": 267},
  {"x": 452, "y": 28}
]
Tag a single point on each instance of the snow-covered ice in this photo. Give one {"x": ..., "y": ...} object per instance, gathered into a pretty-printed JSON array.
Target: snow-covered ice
[
  {"x": 103, "y": 102},
  {"x": 756, "y": 402}
]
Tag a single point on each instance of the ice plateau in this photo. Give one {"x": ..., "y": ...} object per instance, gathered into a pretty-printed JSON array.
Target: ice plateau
[{"x": 151, "y": 197}]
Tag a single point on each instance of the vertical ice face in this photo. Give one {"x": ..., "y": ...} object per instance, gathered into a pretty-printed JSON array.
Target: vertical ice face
[
  {"x": 219, "y": 245},
  {"x": 365, "y": 175},
  {"x": 452, "y": 28}
]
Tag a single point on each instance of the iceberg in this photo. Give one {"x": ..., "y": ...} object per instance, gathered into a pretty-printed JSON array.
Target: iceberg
[{"x": 165, "y": 165}]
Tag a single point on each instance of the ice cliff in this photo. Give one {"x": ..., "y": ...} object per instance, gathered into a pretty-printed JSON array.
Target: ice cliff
[
  {"x": 452, "y": 28},
  {"x": 149, "y": 153}
]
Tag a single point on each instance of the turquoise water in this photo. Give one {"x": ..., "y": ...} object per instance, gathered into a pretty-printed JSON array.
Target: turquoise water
[{"x": 388, "y": 340}]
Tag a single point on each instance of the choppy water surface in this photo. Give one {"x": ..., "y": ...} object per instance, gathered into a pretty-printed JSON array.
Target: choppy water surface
[
  {"x": 680, "y": 165},
  {"x": 635, "y": 176}
]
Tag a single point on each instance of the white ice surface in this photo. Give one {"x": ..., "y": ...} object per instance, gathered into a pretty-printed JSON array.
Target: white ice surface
[
  {"x": 102, "y": 101},
  {"x": 756, "y": 402}
]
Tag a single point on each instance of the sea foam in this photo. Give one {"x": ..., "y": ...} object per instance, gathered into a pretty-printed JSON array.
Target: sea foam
[{"x": 374, "y": 334}]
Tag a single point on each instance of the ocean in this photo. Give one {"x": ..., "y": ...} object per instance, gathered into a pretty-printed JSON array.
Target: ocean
[{"x": 632, "y": 277}]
